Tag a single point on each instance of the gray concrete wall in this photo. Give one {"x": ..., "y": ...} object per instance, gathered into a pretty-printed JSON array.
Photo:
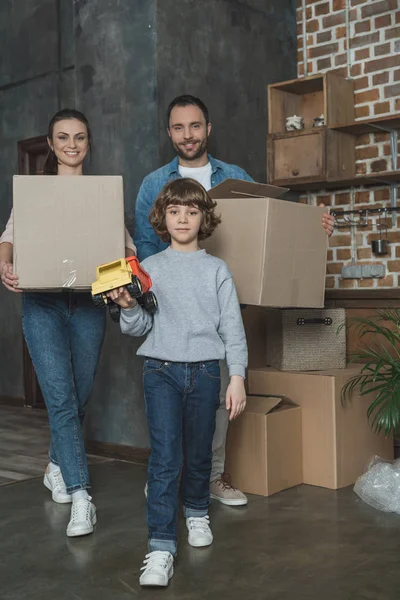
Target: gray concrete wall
[
  {"x": 226, "y": 52},
  {"x": 121, "y": 63},
  {"x": 115, "y": 48},
  {"x": 33, "y": 47},
  {"x": 116, "y": 87}
]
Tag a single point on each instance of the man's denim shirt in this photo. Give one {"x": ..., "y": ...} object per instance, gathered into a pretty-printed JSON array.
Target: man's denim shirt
[{"x": 146, "y": 240}]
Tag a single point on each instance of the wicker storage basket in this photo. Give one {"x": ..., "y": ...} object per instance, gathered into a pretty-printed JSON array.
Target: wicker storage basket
[{"x": 306, "y": 339}]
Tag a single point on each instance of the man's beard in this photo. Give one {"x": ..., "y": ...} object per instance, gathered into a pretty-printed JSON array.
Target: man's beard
[{"x": 192, "y": 157}]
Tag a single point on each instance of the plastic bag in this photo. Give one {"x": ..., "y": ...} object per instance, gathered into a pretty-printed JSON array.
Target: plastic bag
[{"x": 380, "y": 485}]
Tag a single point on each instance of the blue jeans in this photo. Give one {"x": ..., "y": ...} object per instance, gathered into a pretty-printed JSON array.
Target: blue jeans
[
  {"x": 181, "y": 402},
  {"x": 64, "y": 333}
]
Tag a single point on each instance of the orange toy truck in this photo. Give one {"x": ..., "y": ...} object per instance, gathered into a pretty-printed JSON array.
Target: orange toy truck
[{"x": 125, "y": 272}]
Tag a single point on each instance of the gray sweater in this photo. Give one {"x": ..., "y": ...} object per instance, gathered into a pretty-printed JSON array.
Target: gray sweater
[{"x": 198, "y": 315}]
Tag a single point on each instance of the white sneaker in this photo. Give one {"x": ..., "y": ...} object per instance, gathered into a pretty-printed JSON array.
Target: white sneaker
[
  {"x": 83, "y": 517},
  {"x": 158, "y": 568},
  {"x": 200, "y": 533},
  {"x": 54, "y": 482}
]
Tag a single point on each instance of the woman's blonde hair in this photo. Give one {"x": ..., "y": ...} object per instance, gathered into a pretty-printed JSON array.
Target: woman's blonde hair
[{"x": 184, "y": 192}]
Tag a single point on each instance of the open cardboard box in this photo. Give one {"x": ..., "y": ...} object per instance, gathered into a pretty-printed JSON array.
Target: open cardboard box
[
  {"x": 263, "y": 452},
  {"x": 64, "y": 227},
  {"x": 338, "y": 442},
  {"x": 275, "y": 249}
]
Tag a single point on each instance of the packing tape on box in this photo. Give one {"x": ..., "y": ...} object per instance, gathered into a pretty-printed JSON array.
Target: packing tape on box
[{"x": 68, "y": 273}]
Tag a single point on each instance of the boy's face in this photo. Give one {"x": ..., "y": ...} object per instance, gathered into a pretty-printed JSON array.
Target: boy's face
[{"x": 183, "y": 223}]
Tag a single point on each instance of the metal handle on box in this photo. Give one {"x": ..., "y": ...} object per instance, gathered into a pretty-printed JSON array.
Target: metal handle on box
[{"x": 326, "y": 321}]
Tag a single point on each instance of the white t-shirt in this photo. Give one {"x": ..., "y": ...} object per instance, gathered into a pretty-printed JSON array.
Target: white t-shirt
[{"x": 200, "y": 174}]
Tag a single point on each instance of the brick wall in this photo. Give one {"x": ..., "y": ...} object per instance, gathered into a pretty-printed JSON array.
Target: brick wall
[{"x": 371, "y": 32}]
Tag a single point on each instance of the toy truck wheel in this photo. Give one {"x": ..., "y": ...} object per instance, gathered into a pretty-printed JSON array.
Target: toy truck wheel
[
  {"x": 135, "y": 288},
  {"x": 150, "y": 303},
  {"x": 114, "y": 310},
  {"x": 98, "y": 300}
]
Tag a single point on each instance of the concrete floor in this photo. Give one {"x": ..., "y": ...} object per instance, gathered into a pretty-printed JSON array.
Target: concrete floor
[
  {"x": 24, "y": 444},
  {"x": 303, "y": 544}
]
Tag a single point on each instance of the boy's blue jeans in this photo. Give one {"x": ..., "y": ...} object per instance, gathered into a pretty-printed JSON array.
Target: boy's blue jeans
[
  {"x": 64, "y": 333},
  {"x": 181, "y": 402}
]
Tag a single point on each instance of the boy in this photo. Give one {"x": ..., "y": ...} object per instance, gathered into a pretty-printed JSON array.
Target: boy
[{"x": 197, "y": 324}]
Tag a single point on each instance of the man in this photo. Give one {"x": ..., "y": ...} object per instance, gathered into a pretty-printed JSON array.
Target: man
[{"x": 189, "y": 128}]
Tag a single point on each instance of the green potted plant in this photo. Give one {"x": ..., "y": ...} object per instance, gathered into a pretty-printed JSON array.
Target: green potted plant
[{"x": 381, "y": 371}]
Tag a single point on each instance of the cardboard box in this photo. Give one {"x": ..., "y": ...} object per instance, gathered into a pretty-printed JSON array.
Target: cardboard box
[
  {"x": 263, "y": 451},
  {"x": 276, "y": 249},
  {"x": 255, "y": 325},
  {"x": 338, "y": 442},
  {"x": 64, "y": 227}
]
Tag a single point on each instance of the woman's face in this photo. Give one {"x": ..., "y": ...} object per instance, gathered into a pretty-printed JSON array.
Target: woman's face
[{"x": 70, "y": 142}]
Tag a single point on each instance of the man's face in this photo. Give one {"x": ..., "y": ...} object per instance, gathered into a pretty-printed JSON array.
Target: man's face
[{"x": 188, "y": 132}]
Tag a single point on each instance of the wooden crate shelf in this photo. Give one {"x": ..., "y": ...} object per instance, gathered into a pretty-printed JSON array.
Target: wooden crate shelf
[
  {"x": 313, "y": 155},
  {"x": 310, "y": 97},
  {"x": 383, "y": 178},
  {"x": 370, "y": 125},
  {"x": 310, "y": 157}
]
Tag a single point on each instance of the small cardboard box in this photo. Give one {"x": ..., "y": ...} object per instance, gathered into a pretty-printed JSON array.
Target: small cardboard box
[
  {"x": 275, "y": 249},
  {"x": 338, "y": 442},
  {"x": 64, "y": 227},
  {"x": 263, "y": 452}
]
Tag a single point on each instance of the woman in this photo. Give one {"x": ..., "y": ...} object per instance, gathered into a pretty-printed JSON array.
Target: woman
[{"x": 64, "y": 333}]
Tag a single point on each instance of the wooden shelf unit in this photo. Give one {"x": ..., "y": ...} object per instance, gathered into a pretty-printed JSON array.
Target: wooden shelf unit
[
  {"x": 387, "y": 123},
  {"x": 310, "y": 157},
  {"x": 313, "y": 155},
  {"x": 383, "y": 178},
  {"x": 310, "y": 97}
]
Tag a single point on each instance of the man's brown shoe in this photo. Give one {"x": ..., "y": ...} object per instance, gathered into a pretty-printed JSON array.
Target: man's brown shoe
[{"x": 222, "y": 490}]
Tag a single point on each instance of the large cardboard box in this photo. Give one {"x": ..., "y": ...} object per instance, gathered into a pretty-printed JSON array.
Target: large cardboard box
[
  {"x": 338, "y": 442},
  {"x": 255, "y": 325},
  {"x": 276, "y": 249},
  {"x": 64, "y": 227},
  {"x": 263, "y": 452}
]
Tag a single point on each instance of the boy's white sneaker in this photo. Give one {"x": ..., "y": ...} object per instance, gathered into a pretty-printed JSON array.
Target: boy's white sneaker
[
  {"x": 158, "y": 568},
  {"x": 54, "y": 482},
  {"x": 83, "y": 517},
  {"x": 200, "y": 533}
]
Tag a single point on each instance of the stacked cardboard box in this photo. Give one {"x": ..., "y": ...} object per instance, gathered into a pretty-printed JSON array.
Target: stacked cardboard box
[
  {"x": 333, "y": 441},
  {"x": 276, "y": 251},
  {"x": 337, "y": 440}
]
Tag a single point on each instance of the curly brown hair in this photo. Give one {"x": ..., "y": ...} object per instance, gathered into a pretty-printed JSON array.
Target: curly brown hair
[{"x": 184, "y": 192}]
